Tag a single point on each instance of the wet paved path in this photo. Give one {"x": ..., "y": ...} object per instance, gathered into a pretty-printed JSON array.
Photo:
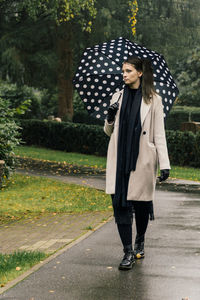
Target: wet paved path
[{"x": 88, "y": 270}]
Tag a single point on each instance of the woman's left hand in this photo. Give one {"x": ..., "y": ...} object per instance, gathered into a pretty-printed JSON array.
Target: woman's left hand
[{"x": 164, "y": 174}]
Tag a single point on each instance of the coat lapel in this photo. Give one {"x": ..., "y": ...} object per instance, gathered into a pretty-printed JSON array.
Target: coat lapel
[{"x": 144, "y": 110}]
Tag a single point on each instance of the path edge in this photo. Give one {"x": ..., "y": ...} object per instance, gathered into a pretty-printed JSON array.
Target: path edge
[{"x": 36, "y": 267}]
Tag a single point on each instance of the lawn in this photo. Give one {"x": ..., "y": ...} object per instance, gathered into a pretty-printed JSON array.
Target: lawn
[
  {"x": 28, "y": 196},
  {"x": 14, "y": 264},
  {"x": 94, "y": 161},
  {"x": 187, "y": 173},
  {"x": 61, "y": 156}
]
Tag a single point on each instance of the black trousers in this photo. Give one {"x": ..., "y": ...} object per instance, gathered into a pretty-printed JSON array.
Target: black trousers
[{"x": 124, "y": 219}]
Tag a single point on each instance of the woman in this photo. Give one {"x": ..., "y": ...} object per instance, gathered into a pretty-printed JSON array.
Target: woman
[{"x": 135, "y": 124}]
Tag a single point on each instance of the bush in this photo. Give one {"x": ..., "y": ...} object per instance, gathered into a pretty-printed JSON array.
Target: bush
[
  {"x": 65, "y": 136},
  {"x": 84, "y": 117},
  {"x": 181, "y": 114},
  {"x": 197, "y": 149},
  {"x": 189, "y": 80},
  {"x": 49, "y": 104},
  {"x": 181, "y": 147},
  {"x": 9, "y": 136},
  {"x": 16, "y": 95},
  {"x": 184, "y": 147}
]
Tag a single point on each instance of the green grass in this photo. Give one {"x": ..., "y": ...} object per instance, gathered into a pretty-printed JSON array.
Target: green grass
[
  {"x": 185, "y": 173},
  {"x": 91, "y": 160},
  {"x": 61, "y": 156},
  {"x": 13, "y": 265},
  {"x": 29, "y": 196}
]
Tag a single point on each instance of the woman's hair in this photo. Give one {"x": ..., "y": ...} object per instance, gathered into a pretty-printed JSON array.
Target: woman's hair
[{"x": 144, "y": 66}]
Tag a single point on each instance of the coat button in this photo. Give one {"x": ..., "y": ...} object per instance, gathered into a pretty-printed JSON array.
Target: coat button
[{"x": 144, "y": 132}]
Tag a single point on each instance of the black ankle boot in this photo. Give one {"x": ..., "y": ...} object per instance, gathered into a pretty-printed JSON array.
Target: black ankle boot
[
  {"x": 139, "y": 247},
  {"x": 128, "y": 259}
]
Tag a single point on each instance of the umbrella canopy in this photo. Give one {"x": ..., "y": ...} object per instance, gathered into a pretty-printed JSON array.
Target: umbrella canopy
[{"x": 99, "y": 75}]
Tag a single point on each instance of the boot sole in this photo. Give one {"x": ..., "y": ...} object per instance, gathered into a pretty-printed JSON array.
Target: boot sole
[{"x": 124, "y": 268}]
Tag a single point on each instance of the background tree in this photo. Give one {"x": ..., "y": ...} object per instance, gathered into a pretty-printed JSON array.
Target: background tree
[
  {"x": 38, "y": 39},
  {"x": 63, "y": 20},
  {"x": 171, "y": 27},
  {"x": 189, "y": 81}
]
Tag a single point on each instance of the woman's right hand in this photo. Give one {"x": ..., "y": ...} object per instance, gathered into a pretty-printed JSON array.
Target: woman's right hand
[{"x": 112, "y": 110}]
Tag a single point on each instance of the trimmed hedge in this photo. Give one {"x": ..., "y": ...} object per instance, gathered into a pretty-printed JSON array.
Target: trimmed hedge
[
  {"x": 184, "y": 147},
  {"x": 65, "y": 136},
  {"x": 181, "y": 114},
  {"x": 84, "y": 117}
]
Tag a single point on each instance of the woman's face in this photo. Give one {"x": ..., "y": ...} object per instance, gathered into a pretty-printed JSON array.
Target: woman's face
[{"x": 131, "y": 76}]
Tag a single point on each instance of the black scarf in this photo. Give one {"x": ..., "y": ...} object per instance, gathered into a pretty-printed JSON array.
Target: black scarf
[{"x": 128, "y": 143}]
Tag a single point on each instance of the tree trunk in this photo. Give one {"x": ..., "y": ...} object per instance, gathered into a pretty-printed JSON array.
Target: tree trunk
[{"x": 64, "y": 77}]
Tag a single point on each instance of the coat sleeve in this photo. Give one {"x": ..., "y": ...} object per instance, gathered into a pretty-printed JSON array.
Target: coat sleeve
[
  {"x": 159, "y": 135},
  {"x": 108, "y": 128}
]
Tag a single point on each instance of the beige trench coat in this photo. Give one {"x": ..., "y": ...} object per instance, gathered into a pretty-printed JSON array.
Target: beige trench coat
[{"x": 152, "y": 150}]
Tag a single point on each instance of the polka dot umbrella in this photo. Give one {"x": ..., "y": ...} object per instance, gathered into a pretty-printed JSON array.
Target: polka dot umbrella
[{"x": 99, "y": 75}]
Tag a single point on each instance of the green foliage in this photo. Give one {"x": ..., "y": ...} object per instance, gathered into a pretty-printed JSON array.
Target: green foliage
[
  {"x": 37, "y": 38},
  {"x": 197, "y": 148},
  {"x": 84, "y": 117},
  {"x": 21, "y": 96},
  {"x": 49, "y": 103},
  {"x": 189, "y": 81},
  {"x": 110, "y": 22},
  {"x": 184, "y": 147},
  {"x": 31, "y": 31},
  {"x": 181, "y": 114},
  {"x": 26, "y": 44},
  {"x": 61, "y": 10},
  {"x": 69, "y": 137},
  {"x": 9, "y": 133},
  {"x": 181, "y": 147},
  {"x": 170, "y": 27}
]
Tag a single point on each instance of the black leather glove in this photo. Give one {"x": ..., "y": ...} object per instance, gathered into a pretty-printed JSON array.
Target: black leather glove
[
  {"x": 112, "y": 110},
  {"x": 164, "y": 174}
]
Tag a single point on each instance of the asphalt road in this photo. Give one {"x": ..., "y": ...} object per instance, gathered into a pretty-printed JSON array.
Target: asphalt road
[{"x": 89, "y": 270}]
